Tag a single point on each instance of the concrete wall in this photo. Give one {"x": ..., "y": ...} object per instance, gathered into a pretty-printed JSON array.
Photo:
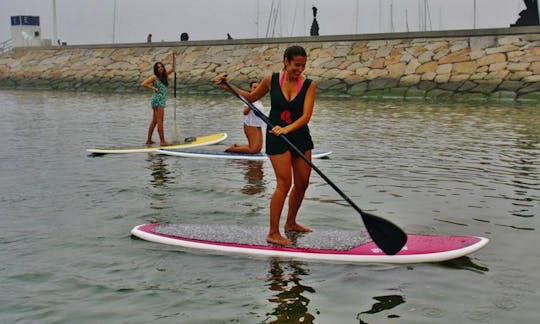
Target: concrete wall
[{"x": 490, "y": 64}]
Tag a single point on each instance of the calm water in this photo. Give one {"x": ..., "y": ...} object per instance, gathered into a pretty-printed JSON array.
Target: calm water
[{"x": 66, "y": 255}]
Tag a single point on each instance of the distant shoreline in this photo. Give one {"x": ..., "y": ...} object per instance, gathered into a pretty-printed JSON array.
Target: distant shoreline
[{"x": 473, "y": 65}]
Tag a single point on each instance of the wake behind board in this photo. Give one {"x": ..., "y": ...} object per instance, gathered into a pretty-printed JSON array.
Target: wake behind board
[
  {"x": 319, "y": 245},
  {"x": 229, "y": 155},
  {"x": 189, "y": 143}
]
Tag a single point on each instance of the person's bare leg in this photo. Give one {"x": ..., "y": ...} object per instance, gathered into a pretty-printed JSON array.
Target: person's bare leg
[
  {"x": 282, "y": 169},
  {"x": 234, "y": 148},
  {"x": 301, "y": 174},
  {"x": 160, "y": 114},
  {"x": 255, "y": 141},
  {"x": 151, "y": 127}
]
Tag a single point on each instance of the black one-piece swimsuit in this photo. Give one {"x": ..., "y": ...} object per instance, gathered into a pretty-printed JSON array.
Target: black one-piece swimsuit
[{"x": 283, "y": 113}]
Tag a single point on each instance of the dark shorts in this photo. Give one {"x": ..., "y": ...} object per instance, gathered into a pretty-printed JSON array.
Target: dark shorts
[{"x": 276, "y": 145}]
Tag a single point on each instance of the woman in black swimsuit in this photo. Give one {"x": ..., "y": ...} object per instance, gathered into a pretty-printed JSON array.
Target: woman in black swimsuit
[{"x": 292, "y": 99}]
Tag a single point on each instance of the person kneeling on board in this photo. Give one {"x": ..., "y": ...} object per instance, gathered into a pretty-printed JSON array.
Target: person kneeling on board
[{"x": 252, "y": 128}]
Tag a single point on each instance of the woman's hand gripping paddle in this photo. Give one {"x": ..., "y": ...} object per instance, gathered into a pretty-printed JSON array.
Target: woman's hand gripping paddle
[{"x": 388, "y": 237}]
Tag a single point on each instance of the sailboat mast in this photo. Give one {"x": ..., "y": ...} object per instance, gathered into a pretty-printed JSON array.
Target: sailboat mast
[
  {"x": 380, "y": 16},
  {"x": 114, "y": 23},
  {"x": 474, "y": 15},
  {"x": 392, "y": 16},
  {"x": 356, "y": 18},
  {"x": 55, "y": 29}
]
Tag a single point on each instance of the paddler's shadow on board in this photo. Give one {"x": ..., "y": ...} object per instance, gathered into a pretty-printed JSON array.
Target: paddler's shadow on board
[
  {"x": 288, "y": 293},
  {"x": 159, "y": 172}
]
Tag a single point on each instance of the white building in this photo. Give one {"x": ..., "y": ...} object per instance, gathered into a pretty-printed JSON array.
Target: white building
[{"x": 26, "y": 31}]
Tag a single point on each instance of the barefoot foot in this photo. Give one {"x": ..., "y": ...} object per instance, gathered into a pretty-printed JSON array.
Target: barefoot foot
[
  {"x": 230, "y": 148},
  {"x": 150, "y": 142},
  {"x": 296, "y": 228},
  {"x": 278, "y": 239},
  {"x": 165, "y": 144}
]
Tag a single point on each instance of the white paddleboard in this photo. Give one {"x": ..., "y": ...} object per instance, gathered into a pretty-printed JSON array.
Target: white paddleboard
[
  {"x": 228, "y": 155},
  {"x": 189, "y": 143},
  {"x": 320, "y": 245}
]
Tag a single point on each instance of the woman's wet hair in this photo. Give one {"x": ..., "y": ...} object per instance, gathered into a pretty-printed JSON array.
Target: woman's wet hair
[{"x": 293, "y": 51}]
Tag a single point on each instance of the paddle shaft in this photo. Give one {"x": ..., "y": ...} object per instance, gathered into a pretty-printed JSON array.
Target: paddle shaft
[
  {"x": 174, "y": 63},
  {"x": 174, "y": 92},
  {"x": 176, "y": 129},
  {"x": 386, "y": 235}
]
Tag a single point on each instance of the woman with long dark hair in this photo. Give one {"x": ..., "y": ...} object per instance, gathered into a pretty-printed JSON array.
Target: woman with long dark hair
[{"x": 158, "y": 83}]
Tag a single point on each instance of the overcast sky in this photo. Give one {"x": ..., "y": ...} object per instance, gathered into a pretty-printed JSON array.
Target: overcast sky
[{"x": 97, "y": 21}]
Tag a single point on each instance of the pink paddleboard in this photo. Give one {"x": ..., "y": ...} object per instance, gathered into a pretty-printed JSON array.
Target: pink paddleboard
[{"x": 322, "y": 245}]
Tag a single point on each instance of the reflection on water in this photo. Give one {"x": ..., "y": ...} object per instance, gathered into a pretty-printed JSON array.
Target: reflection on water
[
  {"x": 159, "y": 172},
  {"x": 384, "y": 303},
  {"x": 159, "y": 180},
  {"x": 291, "y": 302},
  {"x": 464, "y": 263},
  {"x": 254, "y": 177}
]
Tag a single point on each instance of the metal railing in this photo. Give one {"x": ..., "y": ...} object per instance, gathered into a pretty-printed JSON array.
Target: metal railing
[{"x": 6, "y": 46}]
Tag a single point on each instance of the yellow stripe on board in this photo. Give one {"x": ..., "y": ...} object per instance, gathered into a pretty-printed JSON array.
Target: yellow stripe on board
[{"x": 199, "y": 141}]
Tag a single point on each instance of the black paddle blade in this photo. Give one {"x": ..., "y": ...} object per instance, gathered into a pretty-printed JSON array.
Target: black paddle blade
[{"x": 384, "y": 233}]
